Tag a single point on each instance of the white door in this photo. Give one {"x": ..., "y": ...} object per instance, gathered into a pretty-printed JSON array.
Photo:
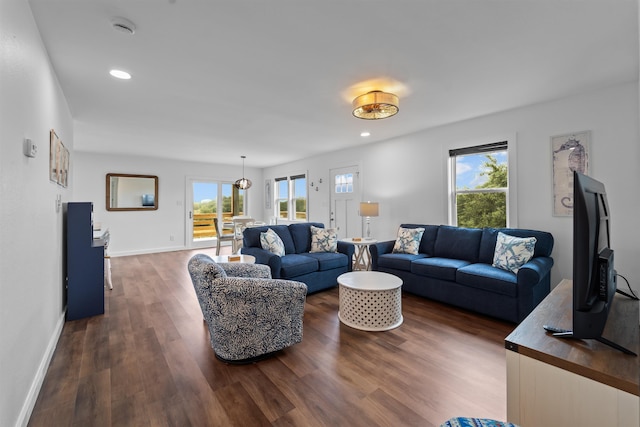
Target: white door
[
  {"x": 345, "y": 199},
  {"x": 208, "y": 199}
]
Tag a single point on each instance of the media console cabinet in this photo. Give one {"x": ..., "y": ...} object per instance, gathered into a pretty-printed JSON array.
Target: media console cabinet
[{"x": 565, "y": 382}]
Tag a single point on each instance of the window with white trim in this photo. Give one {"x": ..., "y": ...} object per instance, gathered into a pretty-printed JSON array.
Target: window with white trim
[
  {"x": 291, "y": 197},
  {"x": 479, "y": 195}
]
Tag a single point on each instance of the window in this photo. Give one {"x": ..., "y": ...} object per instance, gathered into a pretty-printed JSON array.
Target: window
[
  {"x": 291, "y": 197},
  {"x": 479, "y": 183},
  {"x": 344, "y": 183}
]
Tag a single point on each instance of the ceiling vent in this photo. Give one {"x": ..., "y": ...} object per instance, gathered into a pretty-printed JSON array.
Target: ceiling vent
[{"x": 123, "y": 25}]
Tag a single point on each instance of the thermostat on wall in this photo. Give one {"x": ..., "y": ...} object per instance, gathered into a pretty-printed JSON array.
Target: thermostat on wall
[{"x": 30, "y": 149}]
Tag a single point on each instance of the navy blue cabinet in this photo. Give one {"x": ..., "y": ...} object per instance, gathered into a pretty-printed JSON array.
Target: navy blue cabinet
[{"x": 85, "y": 263}]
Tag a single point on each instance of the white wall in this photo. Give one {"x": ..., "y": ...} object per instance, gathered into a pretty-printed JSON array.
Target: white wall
[
  {"x": 31, "y": 243},
  {"x": 408, "y": 177},
  {"x": 134, "y": 232}
]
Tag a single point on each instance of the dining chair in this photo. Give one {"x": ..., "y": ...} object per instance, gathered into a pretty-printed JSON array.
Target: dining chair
[
  {"x": 239, "y": 224},
  {"x": 224, "y": 238}
]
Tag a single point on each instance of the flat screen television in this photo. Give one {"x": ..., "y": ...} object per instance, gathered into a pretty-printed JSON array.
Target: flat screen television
[{"x": 594, "y": 275}]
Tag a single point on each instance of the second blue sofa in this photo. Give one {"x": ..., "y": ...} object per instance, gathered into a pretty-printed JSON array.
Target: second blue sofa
[
  {"x": 454, "y": 265},
  {"x": 318, "y": 270}
]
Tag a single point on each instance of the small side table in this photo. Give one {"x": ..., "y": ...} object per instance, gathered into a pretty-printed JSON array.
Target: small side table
[{"x": 362, "y": 252}]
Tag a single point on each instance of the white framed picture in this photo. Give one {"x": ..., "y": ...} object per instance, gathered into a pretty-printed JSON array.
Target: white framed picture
[{"x": 570, "y": 153}]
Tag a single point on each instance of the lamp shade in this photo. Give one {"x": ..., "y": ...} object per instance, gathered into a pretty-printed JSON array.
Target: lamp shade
[
  {"x": 375, "y": 105},
  {"x": 369, "y": 209}
]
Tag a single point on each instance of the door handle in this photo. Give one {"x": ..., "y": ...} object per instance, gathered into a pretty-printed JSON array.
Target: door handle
[{"x": 190, "y": 215}]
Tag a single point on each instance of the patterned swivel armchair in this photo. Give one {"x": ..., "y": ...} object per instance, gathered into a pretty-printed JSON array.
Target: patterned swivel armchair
[{"x": 250, "y": 315}]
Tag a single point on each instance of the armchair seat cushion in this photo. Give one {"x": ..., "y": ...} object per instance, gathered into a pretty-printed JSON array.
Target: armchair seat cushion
[
  {"x": 488, "y": 278},
  {"x": 296, "y": 265},
  {"x": 328, "y": 260},
  {"x": 438, "y": 268}
]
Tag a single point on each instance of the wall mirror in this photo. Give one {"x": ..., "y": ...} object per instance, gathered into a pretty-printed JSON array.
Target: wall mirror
[{"x": 129, "y": 192}]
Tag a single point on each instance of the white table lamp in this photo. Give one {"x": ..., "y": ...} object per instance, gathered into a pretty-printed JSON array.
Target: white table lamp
[{"x": 367, "y": 210}]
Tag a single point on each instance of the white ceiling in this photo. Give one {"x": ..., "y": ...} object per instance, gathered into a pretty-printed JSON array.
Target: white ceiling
[{"x": 274, "y": 79}]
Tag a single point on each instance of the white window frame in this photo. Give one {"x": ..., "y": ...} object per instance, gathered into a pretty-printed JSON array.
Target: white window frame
[
  {"x": 511, "y": 201},
  {"x": 291, "y": 198}
]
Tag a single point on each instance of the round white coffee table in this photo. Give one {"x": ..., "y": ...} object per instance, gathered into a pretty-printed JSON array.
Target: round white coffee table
[
  {"x": 248, "y": 259},
  {"x": 370, "y": 300}
]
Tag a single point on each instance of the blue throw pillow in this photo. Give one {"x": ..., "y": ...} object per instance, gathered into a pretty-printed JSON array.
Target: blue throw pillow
[
  {"x": 513, "y": 252},
  {"x": 408, "y": 241},
  {"x": 324, "y": 239},
  {"x": 271, "y": 242}
]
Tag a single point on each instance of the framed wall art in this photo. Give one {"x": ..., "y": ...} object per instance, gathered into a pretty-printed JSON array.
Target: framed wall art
[
  {"x": 267, "y": 194},
  {"x": 570, "y": 153},
  {"x": 58, "y": 160}
]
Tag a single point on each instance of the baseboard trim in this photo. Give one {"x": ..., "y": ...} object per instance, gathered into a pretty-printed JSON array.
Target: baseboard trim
[{"x": 38, "y": 380}]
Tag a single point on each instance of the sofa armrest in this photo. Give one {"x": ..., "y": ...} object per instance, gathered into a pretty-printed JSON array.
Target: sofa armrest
[
  {"x": 378, "y": 249},
  {"x": 348, "y": 249},
  {"x": 534, "y": 271},
  {"x": 267, "y": 258},
  {"x": 235, "y": 269}
]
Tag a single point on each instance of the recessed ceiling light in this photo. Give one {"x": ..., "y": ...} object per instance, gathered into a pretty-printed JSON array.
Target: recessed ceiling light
[
  {"x": 119, "y": 74},
  {"x": 365, "y": 133},
  {"x": 123, "y": 25}
]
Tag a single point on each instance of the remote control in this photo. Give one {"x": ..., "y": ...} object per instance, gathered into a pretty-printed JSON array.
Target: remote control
[{"x": 555, "y": 330}]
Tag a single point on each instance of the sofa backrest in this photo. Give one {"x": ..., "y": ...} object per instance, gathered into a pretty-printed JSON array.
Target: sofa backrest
[
  {"x": 251, "y": 237},
  {"x": 474, "y": 244},
  {"x": 301, "y": 234},
  {"x": 543, "y": 247},
  {"x": 428, "y": 238},
  {"x": 296, "y": 237},
  {"x": 458, "y": 243}
]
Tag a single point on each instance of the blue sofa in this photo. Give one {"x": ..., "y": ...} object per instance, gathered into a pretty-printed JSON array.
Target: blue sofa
[
  {"x": 453, "y": 265},
  {"x": 318, "y": 270}
]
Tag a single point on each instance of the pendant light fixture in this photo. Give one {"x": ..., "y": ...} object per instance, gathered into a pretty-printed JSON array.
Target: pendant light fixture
[
  {"x": 375, "y": 105},
  {"x": 243, "y": 183}
]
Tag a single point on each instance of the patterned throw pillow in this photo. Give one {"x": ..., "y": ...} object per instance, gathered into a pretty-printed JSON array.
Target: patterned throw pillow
[
  {"x": 324, "y": 239},
  {"x": 271, "y": 242},
  {"x": 513, "y": 252},
  {"x": 408, "y": 241}
]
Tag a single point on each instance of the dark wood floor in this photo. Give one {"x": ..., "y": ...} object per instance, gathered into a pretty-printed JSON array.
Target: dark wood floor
[{"x": 147, "y": 362}]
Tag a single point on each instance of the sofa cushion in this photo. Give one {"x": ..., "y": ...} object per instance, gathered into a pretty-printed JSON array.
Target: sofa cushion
[
  {"x": 544, "y": 242},
  {"x": 296, "y": 265},
  {"x": 408, "y": 241},
  {"x": 439, "y": 268},
  {"x": 301, "y": 235},
  {"x": 428, "y": 237},
  {"x": 458, "y": 243},
  {"x": 271, "y": 242},
  {"x": 328, "y": 260},
  {"x": 398, "y": 261},
  {"x": 251, "y": 237},
  {"x": 488, "y": 278},
  {"x": 513, "y": 252},
  {"x": 324, "y": 239}
]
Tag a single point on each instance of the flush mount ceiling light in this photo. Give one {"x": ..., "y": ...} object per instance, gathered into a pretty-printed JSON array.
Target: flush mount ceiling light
[
  {"x": 243, "y": 183},
  {"x": 119, "y": 74},
  {"x": 375, "y": 105}
]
